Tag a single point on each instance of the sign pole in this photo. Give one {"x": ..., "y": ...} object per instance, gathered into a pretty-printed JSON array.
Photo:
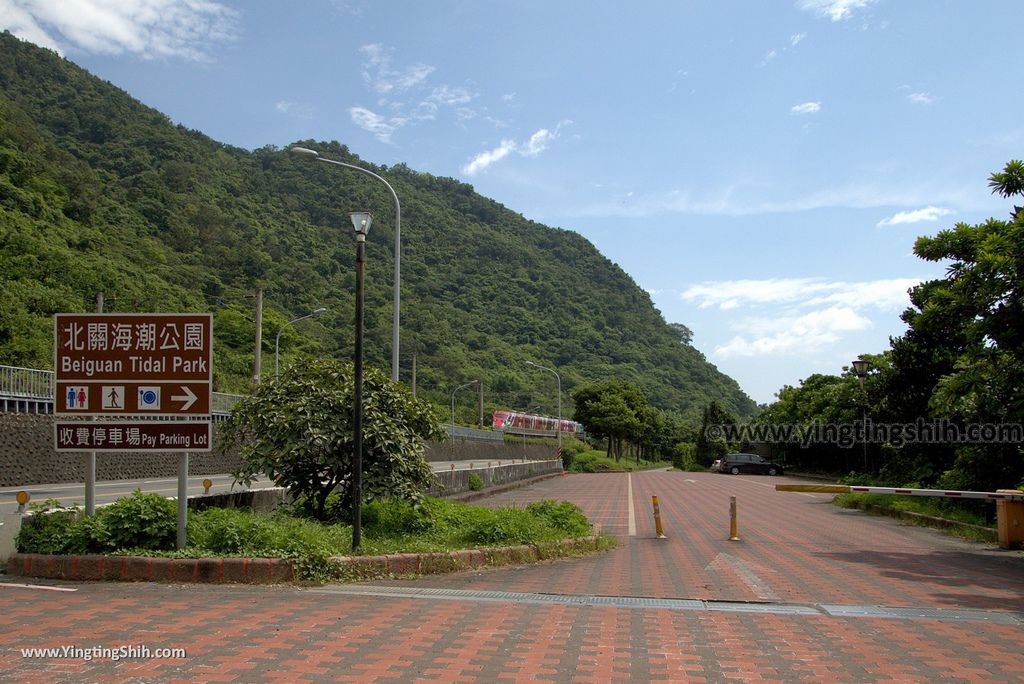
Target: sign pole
[
  {"x": 182, "y": 499},
  {"x": 90, "y": 462}
]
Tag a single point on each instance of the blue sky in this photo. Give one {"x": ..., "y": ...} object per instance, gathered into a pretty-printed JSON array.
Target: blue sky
[{"x": 761, "y": 168}]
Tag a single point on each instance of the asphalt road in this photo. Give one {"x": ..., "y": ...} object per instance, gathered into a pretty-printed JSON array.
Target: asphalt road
[{"x": 109, "y": 491}]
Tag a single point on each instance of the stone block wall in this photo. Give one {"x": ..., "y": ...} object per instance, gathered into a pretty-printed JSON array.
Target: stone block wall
[{"x": 28, "y": 457}]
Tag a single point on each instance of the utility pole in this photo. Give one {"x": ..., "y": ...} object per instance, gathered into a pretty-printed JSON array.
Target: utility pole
[
  {"x": 481, "y": 385},
  {"x": 257, "y": 365},
  {"x": 414, "y": 375}
]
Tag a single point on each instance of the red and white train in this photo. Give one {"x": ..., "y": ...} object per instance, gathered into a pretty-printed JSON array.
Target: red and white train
[{"x": 526, "y": 424}]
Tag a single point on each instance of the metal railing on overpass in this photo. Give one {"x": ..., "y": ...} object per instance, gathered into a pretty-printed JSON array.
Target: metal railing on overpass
[{"x": 30, "y": 390}]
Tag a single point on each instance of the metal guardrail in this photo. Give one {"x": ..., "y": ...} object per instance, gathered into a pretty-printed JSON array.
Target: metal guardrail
[
  {"x": 36, "y": 385},
  {"x": 26, "y": 383}
]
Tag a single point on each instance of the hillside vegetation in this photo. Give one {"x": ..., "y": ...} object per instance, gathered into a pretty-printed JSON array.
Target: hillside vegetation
[{"x": 101, "y": 193}]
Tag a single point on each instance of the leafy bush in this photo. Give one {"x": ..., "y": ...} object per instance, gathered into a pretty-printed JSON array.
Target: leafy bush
[
  {"x": 563, "y": 516},
  {"x": 475, "y": 483},
  {"x": 395, "y": 518},
  {"x": 571, "y": 448},
  {"x": 140, "y": 521},
  {"x": 503, "y": 526},
  {"x": 684, "y": 457},
  {"x": 53, "y": 529}
]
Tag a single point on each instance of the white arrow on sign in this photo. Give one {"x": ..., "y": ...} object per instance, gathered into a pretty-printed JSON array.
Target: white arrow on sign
[{"x": 189, "y": 398}]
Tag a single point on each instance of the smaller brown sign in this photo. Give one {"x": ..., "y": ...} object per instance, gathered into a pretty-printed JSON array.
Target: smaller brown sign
[
  {"x": 163, "y": 436},
  {"x": 133, "y": 398}
]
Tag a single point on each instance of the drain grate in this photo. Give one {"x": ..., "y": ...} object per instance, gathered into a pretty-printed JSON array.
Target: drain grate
[
  {"x": 943, "y": 614},
  {"x": 641, "y": 602}
]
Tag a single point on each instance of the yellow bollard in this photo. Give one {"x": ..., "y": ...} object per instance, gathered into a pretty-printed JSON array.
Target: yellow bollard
[
  {"x": 470, "y": 465},
  {"x": 207, "y": 483},
  {"x": 657, "y": 519},
  {"x": 22, "y": 498},
  {"x": 453, "y": 466},
  {"x": 733, "y": 536}
]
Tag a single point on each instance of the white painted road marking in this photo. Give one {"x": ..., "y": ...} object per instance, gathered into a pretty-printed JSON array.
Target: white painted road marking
[
  {"x": 629, "y": 504},
  {"x": 34, "y": 586}
]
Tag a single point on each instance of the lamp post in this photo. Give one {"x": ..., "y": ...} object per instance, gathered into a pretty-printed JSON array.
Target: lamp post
[
  {"x": 468, "y": 384},
  {"x": 860, "y": 368},
  {"x": 559, "y": 378},
  {"x": 277, "y": 341},
  {"x": 312, "y": 154},
  {"x": 361, "y": 224}
]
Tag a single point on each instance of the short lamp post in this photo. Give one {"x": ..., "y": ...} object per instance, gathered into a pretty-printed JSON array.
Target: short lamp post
[
  {"x": 860, "y": 368},
  {"x": 361, "y": 224},
  {"x": 559, "y": 379},
  {"x": 277, "y": 341},
  {"x": 312, "y": 154}
]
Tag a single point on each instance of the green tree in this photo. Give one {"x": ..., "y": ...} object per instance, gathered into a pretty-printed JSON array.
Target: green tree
[
  {"x": 614, "y": 410},
  {"x": 708, "y": 447},
  {"x": 298, "y": 432}
]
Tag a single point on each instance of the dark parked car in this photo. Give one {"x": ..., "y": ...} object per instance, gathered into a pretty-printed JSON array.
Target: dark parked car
[{"x": 748, "y": 463}]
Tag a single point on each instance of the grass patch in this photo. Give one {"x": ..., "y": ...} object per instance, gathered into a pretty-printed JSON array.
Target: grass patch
[
  {"x": 595, "y": 461},
  {"x": 941, "y": 508},
  {"x": 388, "y": 527}
]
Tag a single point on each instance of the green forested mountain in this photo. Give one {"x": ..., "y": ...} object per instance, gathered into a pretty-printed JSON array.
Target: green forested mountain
[{"x": 101, "y": 193}]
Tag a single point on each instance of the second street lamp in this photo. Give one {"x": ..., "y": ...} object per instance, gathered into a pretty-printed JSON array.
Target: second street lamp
[
  {"x": 277, "y": 341},
  {"x": 860, "y": 368},
  {"x": 559, "y": 378},
  {"x": 313, "y": 154},
  {"x": 361, "y": 225}
]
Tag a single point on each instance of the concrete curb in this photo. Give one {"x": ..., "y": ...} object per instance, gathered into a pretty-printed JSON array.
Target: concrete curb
[
  {"x": 930, "y": 520},
  {"x": 278, "y": 570},
  {"x": 148, "y": 569},
  {"x": 371, "y": 567}
]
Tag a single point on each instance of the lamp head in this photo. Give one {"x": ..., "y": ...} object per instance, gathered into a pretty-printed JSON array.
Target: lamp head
[
  {"x": 860, "y": 367},
  {"x": 304, "y": 151},
  {"x": 320, "y": 311},
  {"x": 361, "y": 222}
]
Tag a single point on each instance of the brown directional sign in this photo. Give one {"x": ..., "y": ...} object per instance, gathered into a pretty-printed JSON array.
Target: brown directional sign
[
  {"x": 133, "y": 364},
  {"x": 138, "y": 436}
]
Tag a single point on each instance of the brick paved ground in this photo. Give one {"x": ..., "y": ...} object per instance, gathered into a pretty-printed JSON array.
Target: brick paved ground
[{"x": 794, "y": 549}]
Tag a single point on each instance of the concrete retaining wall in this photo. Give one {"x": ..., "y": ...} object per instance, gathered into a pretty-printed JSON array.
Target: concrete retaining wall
[{"x": 457, "y": 481}]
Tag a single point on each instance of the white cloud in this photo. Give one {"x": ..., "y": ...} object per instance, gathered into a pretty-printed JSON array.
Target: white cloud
[
  {"x": 796, "y": 334},
  {"x": 508, "y": 97},
  {"x": 146, "y": 28},
  {"x": 537, "y": 143},
  {"x": 299, "y": 110},
  {"x": 884, "y": 294},
  {"x": 929, "y": 213},
  {"x": 772, "y": 54},
  {"x": 921, "y": 98},
  {"x": 796, "y": 38},
  {"x": 382, "y": 77},
  {"x": 836, "y": 10},
  {"x": 806, "y": 108},
  {"x": 372, "y": 122},
  {"x": 485, "y": 159}
]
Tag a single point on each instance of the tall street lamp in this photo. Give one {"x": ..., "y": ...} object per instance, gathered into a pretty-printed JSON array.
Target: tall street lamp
[
  {"x": 860, "y": 368},
  {"x": 277, "y": 341},
  {"x": 468, "y": 384},
  {"x": 559, "y": 378},
  {"x": 312, "y": 154},
  {"x": 361, "y": 224}
]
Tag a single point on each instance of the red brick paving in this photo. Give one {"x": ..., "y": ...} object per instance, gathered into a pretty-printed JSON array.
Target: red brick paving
[{"x": 800, "y": 549}]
